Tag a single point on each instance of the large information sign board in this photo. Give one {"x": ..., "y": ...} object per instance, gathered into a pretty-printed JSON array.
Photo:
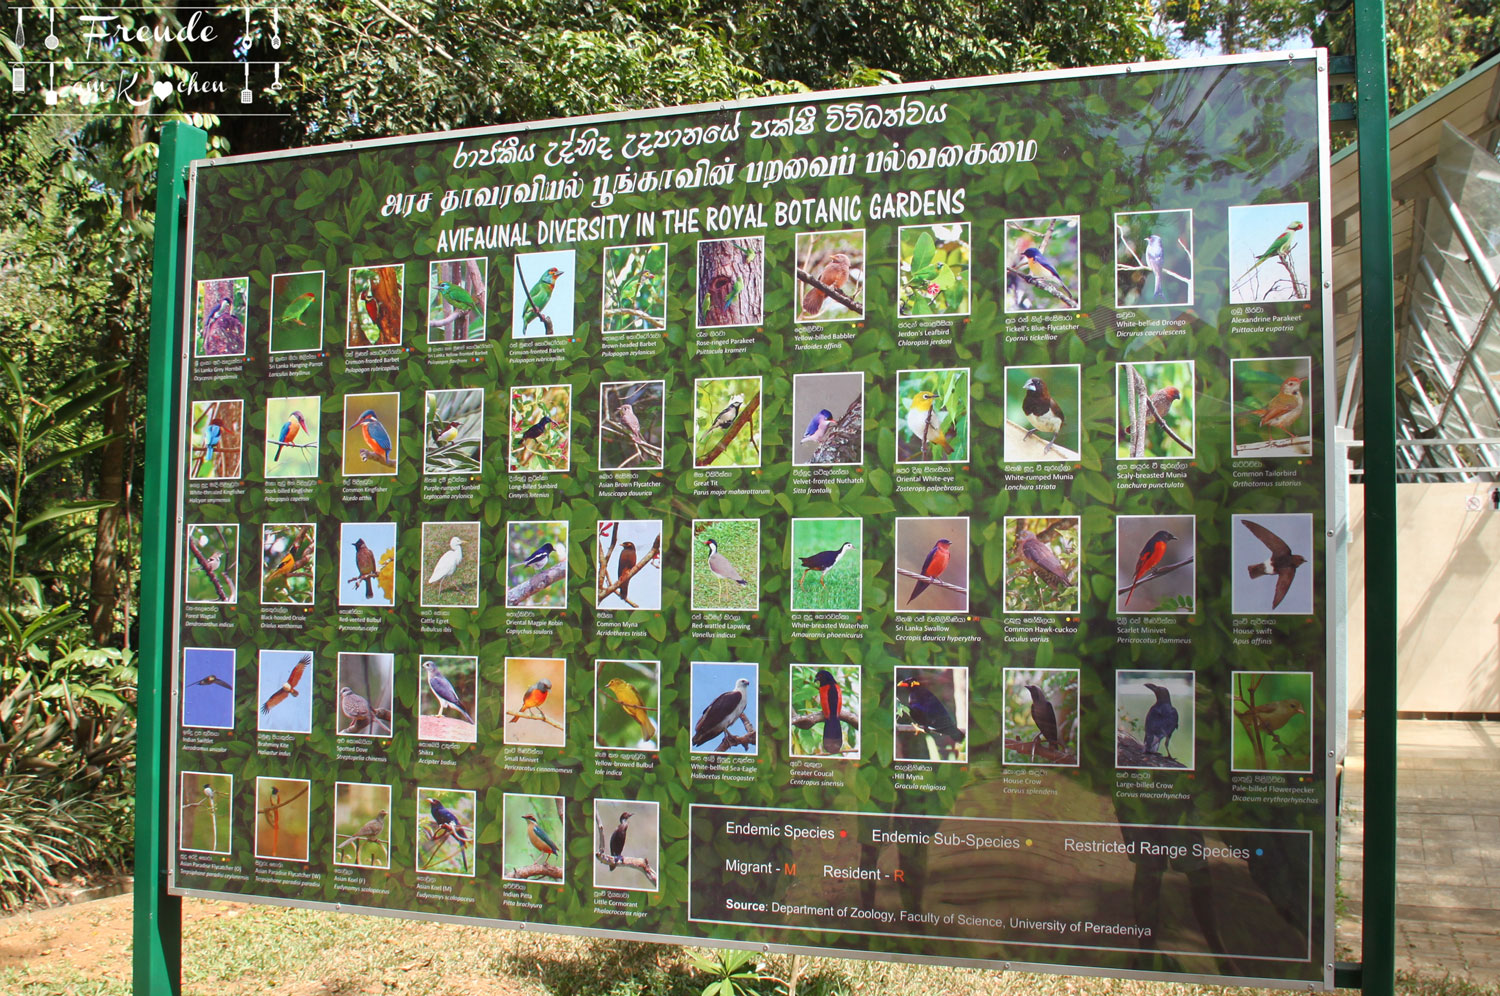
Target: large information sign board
[{"x": 888, "y": 523}]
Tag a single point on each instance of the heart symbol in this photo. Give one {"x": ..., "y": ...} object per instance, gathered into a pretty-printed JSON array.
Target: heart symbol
[{"x": 162, "y": 89}]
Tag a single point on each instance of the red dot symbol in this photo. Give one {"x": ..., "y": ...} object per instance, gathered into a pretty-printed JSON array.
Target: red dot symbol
[{"x": 843, "y": 833}]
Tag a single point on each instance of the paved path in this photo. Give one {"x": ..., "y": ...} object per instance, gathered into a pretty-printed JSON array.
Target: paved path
[{"x": 1448, "y": 847}]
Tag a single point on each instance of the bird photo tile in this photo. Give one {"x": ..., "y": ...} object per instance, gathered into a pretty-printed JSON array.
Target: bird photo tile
[
  {"x": 627, "y": 844},
  {"x": 826, "y": 716},
  {"x": 371, "y": 436},
  {"x": 632, "y": 425},
  {"x": 450, "y": 565},
  {"x": 1042, "y": 406},
  {"x": 1155, "y": 719},
  {"x": 447, "y": 699},
  {"x": 828, "y": 417},
  {"x": 932, "y": 564},
  {"x": 538, "y": 440},
  {"x": 214, "y": 436},
  {"x": 627, "y": 697},
  {"x": 208, "y": 688},
  {"x": 534, "y": 715},
  {"x": 1155, "y": 564},
  {"x": 536, "y": 565},
  {"x": 1042, "y": 564},
  {"x": 447, "y": 831},
  {"x": 454, "y": 440},
  {"x": 629, "y": 565},
  {"x": 377, "y": 305},
  {"x": 1268, "y": 253},
  {"x": 293, "y": 428},
  {"x": 544, "y": 293},
  {"x": 297, "y": 302},
  {"x": 205, "y": 803},
  {"x": 1273, "y": 728},
  {"x": 1272, "y": 403},
  {"x": 1153, "y": 259},
  {"x": 932, "y": 714},
  {"x": 457, "y": 296},
  {"x": 830, "y": 261},
  {"x": 534, "y": 837},
  {"x": 1041, "y": 718},
  {"x": 934, "y": 270},
  {"x": 367, "y": 564},
  {"x": 1042, "y": 268},
  {"x": 288, "y": 563},
  {"x": 827, "y": 565},
  {"x": 361, "y": 825},
  {"x": 634, "y": 289},
  {"x": 213, "y": 563},
  {"x": 284, "y": 689},
  {"x": 1165, "y": 388},
  {"x": 726, "y": 422},
  {"x": 725, "y": 565},
  {"x": 932, "y": 416},
  {"x": 731, "y": 282},
  {"x": 222, "y": 308},
  {"x": 1272, "y": 564},
  {"x": 725, "y": 698},
  {"x": 283, "y": 808},
  {"x": 366, "y": 690}
]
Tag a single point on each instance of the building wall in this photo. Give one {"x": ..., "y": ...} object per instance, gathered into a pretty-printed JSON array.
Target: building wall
[{"x": 1448, "y": 597}]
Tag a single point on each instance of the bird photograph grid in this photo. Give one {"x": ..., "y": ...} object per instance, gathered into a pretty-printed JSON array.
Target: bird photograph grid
[
  {"x": 1163, "y": 397},
  {"x": 828, "y": 416},
  {"x": 1042, "y": 413},
  {"x": 932, "y": 714},
  {"x": 545, "y": 292},
  {"x": 726, "y": 422},
  {"x": 457, "y": 299},
  {"x": 447, "y": 699},
  {"x": 826, "y": 717},
  {"x": 289, "y": 563},
  {"x": 635, "y": 289},
  {"x": 1042, "y": 267},
  {"x": 222, "y": 308},
  {"x": 377, "y": 306},
  {"x": 214, "y": 438},
  {"x": 830, "y": 274},
  {"x": 366, "y": 684},
  {"x": 451, "y": 554},
  {"x": 1156, "y": 567},
  {"x": 1155, "y": 719},
  {"x": 297, "y": 302},
  {"x": 1272, "y": 402},
  {"x": 371, "y": 436},
  {"x": 533, "y": 840},
  {"x": 536, "y": 564},
  {"x": 726, "y": 565},
  {"x": 212, "y": 563},
  {"x": 933, "y": 416},
  {"x": 629, "y": 564},
  {"x": 1153, "y": 259},
  {"x": 632, "y": 425},
  {"x": 934, "y": 270},
  {"x": 447, "y": 834},
  {"x": 362, "y": 825},
  {"x": 454, "y": 440},
  {"x": 208, "y": 679},
  {"x": 1041, "y": 720},
  {"x": 1042, "y": 563},
  {"x": 627, "y": 844},
  {"x": 205, "y": 803},
  {"x": 1273, "y": 728},
  {"x": 283, "y": 810},
  {"x": 367, "y": 564},
  {"x": 293, "y": 428},
  {"x": 827, "y": 565},
  {"x": 536, "y": 698},
  {"x": 540, "y": 424},
  {"x": 627, "y": 702}
]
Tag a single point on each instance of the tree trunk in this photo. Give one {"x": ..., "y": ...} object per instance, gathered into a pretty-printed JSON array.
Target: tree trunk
[{"x": 731, "y": 287}]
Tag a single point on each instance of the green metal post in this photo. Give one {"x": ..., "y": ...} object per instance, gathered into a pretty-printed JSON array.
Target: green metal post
[
  {"x": 156, "y": 960},
  {"x": 1377, "y": 315}
]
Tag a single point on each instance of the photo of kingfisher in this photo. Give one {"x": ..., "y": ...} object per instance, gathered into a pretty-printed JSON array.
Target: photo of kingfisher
[
  {"x": 370, "y": 436},
  {"x": 293, "y": 431},
  {"x": 932, "y": 714},
  {"x": 1042, "y": 271},
  {"x": 826, "y": 716}
]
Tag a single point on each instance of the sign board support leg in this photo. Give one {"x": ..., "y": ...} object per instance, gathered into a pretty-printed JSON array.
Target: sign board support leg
[
  {"x": 156, "y": 961},
  {"x": 1377, "y": 317}
]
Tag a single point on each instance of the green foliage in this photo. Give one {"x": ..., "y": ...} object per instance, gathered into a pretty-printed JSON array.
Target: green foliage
[
  {"x": 935, "y": 270},
  {"x": 635, "y": 282},
  {"x": 731, "y": 972}
]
